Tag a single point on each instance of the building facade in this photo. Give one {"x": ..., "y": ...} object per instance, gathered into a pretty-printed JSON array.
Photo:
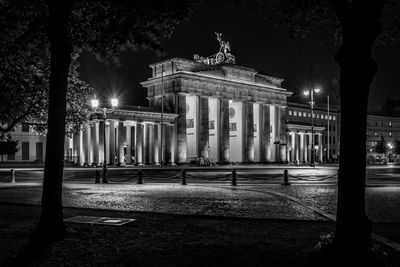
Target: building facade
[{"x": 325, "y": 128}]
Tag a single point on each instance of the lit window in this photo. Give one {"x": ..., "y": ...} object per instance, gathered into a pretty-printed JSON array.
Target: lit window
[
  {"x": 330, "y": 117},
  {"x": 290, "y": 112},
  {"x": 326, "y": 117},
  {"x": 375, "y": 134},
  {"x": 300, "y": 114},
  {"x": 334, "y": 117},
  {"x": 390, "y": 124},
  {"x": 317, "y": 116},
  {"x": 232, "y": 126},
  {"x": 295, "y": 113},
  {"x": 313, "y": 115},
  {"x": 304, "y": 114},
  {"x": 309, "y": 115},
  {"x": 390, "y": 134}
]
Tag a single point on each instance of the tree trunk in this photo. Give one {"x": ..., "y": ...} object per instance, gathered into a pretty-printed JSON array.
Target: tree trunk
[
  {"x": 51, "y": 225},
  {"x": 360, "y": 27}
]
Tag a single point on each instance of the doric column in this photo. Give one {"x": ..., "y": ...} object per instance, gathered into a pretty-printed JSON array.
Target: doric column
[
  {"x": 86, "y": 143},
  {"x": 224, "y": 131},
  {"x": 94, "y": 142},
  {"x": 282, "y": 131},
  {"x": 156, "y": 147},
  {"x": 66, "y": 148},
  {"x": 121, "y": 142},
  {"x": 151, "y": 143},
  {"x": 320, "y": 148},
  {"x": 128, "y": 141},
  {"x": 203, "y": 126},
  {"x": 146, "y": 143},
  {"x": 293, "y": 146},
  {"x": 301, "y": 147},
  {"x": 181, "y": 128},
  {"x": 76, "y": 148},
  {"x": 172, "y": 143},
  {"x": 81, "y": 148},
  {"x": 265, "y": 134},
  {"x": 297, "y": 147},
  {"x": 111, "y": 140},
  {"x": 101, "y": 142},
  {"x": 139, "y": 143},
  {"x": 249, "y": 132}
]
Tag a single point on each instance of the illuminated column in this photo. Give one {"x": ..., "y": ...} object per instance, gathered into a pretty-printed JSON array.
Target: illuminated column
[
  {"x": 66, "y": 148},
  {"x": 301, "y": 147},
  {"x": 297, "y": 146},
  {"x": 293, "y": 146},
  {"x": 121, "y": 142},
  {"x": 139, "y": 143},
  {"x": 151, "y": 143},
  {"x": 157, "y": 134},
  {"x": 86, "y": 144},
  {"x": 101, "y": 142},
  {"x": 146, "y": 143},
  {"x": 249, "y": 132},
  {"x": 172, "y": 143},
  {"x": 128, "y": 141},
  {"x": 320, "y": 148},
  {"x": 265, "y": 135},
  {"x": 76, "y": 148},
  {"x": 95, "y": 142},
  {"x": 181, "y": 128},
  {"x": 282, "y": 131},
  {"x": 203, "y": 126},
  {"x": 224, "y": 131},
  {"x": 111, "y": 141},
  {"x": 81, "y": 148}
]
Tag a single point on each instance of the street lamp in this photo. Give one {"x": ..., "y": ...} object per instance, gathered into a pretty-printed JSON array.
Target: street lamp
[
  {"x": 95, "y": 105},
  {"x": 312, "y": 103}
]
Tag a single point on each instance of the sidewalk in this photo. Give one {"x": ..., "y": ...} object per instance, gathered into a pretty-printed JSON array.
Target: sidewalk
[{"x": 193, "y": 225}]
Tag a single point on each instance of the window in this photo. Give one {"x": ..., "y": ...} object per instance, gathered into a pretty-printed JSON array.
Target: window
[
  {"x": 232, "y": 127},
  {"x": 330, "y": 118},
  {"x": 390, "y": 134},
  {"x": 255, "y": 127},
  {"x": 25, "y": 150},
  {"x": 382, "y": 124},
  {"x": 25, "y": 127},
  {"x": 334, "y": 140},
  {"x": 309, "y": 115},
  {"x": 317, "y": 116},
  {"x": 390, "y": 124},
  {"x": 300, "y": 114},
  {"x": 313, "y": 115},
  {"x": 375, "y": 134},
  {"x": 189, "y": 123},
  {"x": 304, "y": 114},
  {"x": 326, "y": 117},
  {"x": 295, "y": 113},
  {"x": 334, "y": 118},
  {"x": 290, "y": 112},
  {"x": 376, "y": 123},
  {"x": 211, "y": 125}
]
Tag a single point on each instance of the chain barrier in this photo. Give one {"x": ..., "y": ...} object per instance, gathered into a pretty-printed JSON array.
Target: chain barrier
[
  {"x": 220, "y": 177},
  {"x": 126, "y": 180},
  {"x": 312, "y": 180}
]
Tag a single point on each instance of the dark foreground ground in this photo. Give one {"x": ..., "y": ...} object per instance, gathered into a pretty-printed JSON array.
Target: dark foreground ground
[{"x": 172, "y": 240}]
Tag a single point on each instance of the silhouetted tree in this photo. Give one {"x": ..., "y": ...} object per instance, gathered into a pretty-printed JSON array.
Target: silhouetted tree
[
  {"x": 7, "y": 145},
  {"x": 396, "y": 149},
  {"x": 381, "y": 147},
  {"x": 355, "y": 26},
  {"x": 104, "y": 28}
]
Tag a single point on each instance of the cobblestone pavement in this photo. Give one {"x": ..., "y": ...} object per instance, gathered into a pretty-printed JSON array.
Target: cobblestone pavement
[{"x": 250, "y": 200}]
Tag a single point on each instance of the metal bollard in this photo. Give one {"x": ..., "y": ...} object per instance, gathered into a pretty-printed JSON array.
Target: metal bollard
[
  {"x": 140, "y": 177},
  {"x": 234, "y": 177},
  {"x": 12, "y": 176},
  {"x": 285, "y": 178},
  {"x": 183, "y": 177},
  {"x": 97, "y": 177}
]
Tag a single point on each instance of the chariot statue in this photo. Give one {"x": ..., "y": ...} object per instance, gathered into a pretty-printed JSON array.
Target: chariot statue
[{"x": 224, "y": 55}]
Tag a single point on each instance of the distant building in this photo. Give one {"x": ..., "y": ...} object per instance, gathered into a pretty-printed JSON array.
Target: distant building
[
  {"x": 299, "y": 132},
  {"x": 31, "y": 145}
]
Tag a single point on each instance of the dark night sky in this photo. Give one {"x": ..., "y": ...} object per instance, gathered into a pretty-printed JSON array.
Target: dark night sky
[{"x": 255, "y": 44}]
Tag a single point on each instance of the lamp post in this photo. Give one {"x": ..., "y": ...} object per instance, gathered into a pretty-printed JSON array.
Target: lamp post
[
  {"x": 312, "y": 103},
  {"x": 95, "y": 105}
]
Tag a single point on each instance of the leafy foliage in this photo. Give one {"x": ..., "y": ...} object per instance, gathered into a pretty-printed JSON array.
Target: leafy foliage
[
  {"x": 25, "y": 71},
  {"x": 7, "y": 145},
  {"x": 380, "y": 147}
]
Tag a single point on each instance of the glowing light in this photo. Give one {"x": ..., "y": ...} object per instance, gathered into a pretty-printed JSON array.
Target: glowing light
[
  {"x": 317, "y": 90},
  {"x": 306, "y": 92},
  {"x": 114, "y": 102},
  {"x": 95, "y": 103}
]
